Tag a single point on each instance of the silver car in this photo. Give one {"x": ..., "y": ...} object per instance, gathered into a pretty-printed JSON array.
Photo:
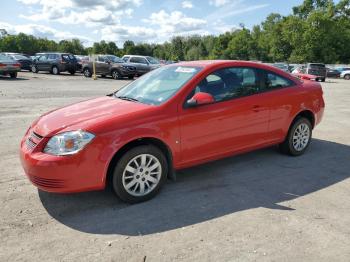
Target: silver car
[
  {"x": 8, "y": 66},
  {"x": 143, "y": 64}
]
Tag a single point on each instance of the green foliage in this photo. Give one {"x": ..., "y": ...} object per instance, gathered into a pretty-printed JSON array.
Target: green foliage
[{"x": 317, "y": 31}]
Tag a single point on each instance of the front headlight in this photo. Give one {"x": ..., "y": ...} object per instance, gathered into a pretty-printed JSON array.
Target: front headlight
[{"x": 68, "y": 143}]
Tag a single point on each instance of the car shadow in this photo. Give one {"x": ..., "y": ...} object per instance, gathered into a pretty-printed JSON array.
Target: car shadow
[
  {"x": 7, "y": 78},
  {"x": 263, "y": 178}
]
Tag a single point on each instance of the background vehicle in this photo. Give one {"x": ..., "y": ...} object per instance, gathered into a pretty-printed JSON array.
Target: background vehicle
[
  {"x": 282, "y": 66},
  {"x": 143, "y": 64},
  {"x": 167, "y": 120},
  {"x": 8, "y": 66},
  {"x": 109, "y": 65},
  {"x": 345, "y": 75},
  {"x": 55, "y": 63},
  {"x": 312, "y": 71},
  {"x": 342, "y": 69},
  {"x": 23, "y": 59},
  {"x": 333, "y": 73},
  {"x": 80, "y": 60},
  {"x": 318, "y": 70}
]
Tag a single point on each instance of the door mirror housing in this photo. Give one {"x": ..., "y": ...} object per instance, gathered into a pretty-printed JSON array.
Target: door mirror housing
[{"x": 199, "y": 99}]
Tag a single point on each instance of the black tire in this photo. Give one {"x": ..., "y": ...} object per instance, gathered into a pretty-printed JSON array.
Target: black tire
[
  {"x": 323, "y": 80},
  {"x": 13, "y": 75},
  {"x": 116, "y": 75},
  {"x": 287, "y": 146},
  {"x": 347, "y": 77},
  {"x": 55, "y": 70},
  {"x": 34, "y": 69},
  {"x": 103, "y": 76},
  {"x": 72, "y": 72},
  {"x": 87, "y": 72},
  {"x": 117, "y": 181},
  {"x": 131, "y": 77}
]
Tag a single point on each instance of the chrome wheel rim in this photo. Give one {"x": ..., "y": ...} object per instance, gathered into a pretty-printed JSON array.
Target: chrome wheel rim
[
  {"x": 86, "y": 72},
  {"x": 116, "y": 75},
  {"x": 141, "y": 175},
  {"x": 301, "y": 137},
  {"x": 33, "y": 69},
  {"x": 54, "y": 70}
]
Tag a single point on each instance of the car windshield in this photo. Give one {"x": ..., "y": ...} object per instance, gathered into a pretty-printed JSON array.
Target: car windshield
[
  {"x": 159, "y": 85},
  {"x": 115, "y": 59},
  {"x": 5, "y": 58},
  {"x": 152, "y": 60}
]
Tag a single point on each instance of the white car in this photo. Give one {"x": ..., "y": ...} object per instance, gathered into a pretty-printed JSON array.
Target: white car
[{"x": 345, "y": 74}]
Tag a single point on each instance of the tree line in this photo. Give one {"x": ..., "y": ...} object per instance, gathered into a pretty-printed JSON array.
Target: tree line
[{"x": 317, "y": 31}]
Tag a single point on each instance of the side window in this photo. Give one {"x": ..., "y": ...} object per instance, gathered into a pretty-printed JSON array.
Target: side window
[
  {"x": 134, "y": 60},
  {"x": 229, "y": 83},
  {"x": 100, "y": 59},
  {"x": 275, "y": 81},
  {"x": 126, "y": 58},
  {"x": 43, "y": 58}
]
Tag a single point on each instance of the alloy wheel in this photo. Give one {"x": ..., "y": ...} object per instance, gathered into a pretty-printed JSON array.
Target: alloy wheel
[
  {"x": 301, "y": 137},
  {"x": 142, "y": 175}
]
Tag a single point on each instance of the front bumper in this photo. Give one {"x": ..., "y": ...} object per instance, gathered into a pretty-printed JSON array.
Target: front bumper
[{"x": 83, "y": 171}]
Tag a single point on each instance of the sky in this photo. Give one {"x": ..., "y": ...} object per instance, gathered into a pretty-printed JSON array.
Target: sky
[{"x": 150, "y": 21}]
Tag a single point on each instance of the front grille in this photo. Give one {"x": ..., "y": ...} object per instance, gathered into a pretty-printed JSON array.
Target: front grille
[
  {"x": 47, "y": 182},
  {"x": 33, "y": 139}
]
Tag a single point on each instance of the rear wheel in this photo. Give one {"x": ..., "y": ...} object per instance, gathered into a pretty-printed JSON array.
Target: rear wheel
[
  {"x": 116, "y": 74},
  {"x": 347, "y": 77},
  {"x": 139, "y": 174},
  {"x": 55, "y": 70},
  {"x": 298, "y": 138},
  {"x": 13, "y": 75},
  {"x": 87, "y": 72}
]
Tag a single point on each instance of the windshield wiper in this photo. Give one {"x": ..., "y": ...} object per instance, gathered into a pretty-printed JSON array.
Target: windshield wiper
[{"x": 127, "y": 98}]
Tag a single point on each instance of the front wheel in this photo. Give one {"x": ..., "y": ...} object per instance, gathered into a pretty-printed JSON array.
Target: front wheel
[
  {"x": 55, "y": 70},
  {"x": 116, "y": 74},
  {"x": 131, "y": 77},
  {"x": 139, "y": 174},
  {"x": 87, "y": 72},
  {"x": 34, "y": 69},
  {"x": 298, "y": 138},
  {"x": 347, "y": 77}
]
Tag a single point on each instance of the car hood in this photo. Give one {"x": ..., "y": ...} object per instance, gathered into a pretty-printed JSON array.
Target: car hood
[{"x": 82, "y": 115}]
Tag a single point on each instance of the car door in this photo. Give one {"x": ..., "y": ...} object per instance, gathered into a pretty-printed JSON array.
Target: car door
[
  {"x": 236, "y": 121},
  {"x": 42, "y": 63},
  {"x": 102, "y": 67},
  {"x": 280, "y": 93}
]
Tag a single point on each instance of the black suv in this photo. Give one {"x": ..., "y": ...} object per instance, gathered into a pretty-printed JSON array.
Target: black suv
[{"x": 54, "y": 63}]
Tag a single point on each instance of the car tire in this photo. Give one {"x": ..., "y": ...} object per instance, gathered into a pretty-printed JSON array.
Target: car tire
[
  {"x": 347, "y": 77},
  {"x": 131, "y": 77},
  {"x": 34, "y": 69},
  {"x": 55, "y": 70},
  {"x": 116, "y": 74},
  {"x": 87, "y": 72},
  {"x": 323, "y": 80},
  {"x": 298, "y": 138},
  {"x": 13, "y": 75},
  {"x": 103, "y": 76},
  {"x": 140, "y": 174}
]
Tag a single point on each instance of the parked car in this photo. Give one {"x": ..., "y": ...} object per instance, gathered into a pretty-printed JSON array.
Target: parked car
[
  {"x": 109, "y": 65},
  {"x": 282, "y": 66},
  {"x": 26, "y": 62},
  {"x": 80, "y": 60},
  {"x": 342, "y": 69},
  {"x": 8, "y": 66},
  {"x": 313, "y": 71},
  {"x": 174, "y": 117},
  {"x": 143, "y": 64},
  {"x": 332, "y": 73},
  {"x": 55, "y": 63},
  {"x": 345, "y": 75},
  {"x": 302, "y": 76}
]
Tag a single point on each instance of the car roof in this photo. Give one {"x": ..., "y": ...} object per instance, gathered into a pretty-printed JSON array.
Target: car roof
[{"x": 214, "y": 63}]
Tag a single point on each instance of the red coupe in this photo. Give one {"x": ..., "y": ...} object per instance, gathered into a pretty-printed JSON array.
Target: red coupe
[{"x": 174, "y": 117}]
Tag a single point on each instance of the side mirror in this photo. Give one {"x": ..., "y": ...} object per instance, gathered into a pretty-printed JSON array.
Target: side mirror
[{"x": 200, "y": 98}]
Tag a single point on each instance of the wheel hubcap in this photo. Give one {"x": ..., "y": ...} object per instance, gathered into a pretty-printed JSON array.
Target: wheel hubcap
[
  {"x": 301, "y": 137},
  {"x": 54, "y": 70},
  {"x": 142, "y": 174},
  {"x": 115, "y": 75}
]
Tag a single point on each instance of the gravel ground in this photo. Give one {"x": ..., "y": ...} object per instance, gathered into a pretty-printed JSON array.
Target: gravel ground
[{"x": 260, "y": 206}]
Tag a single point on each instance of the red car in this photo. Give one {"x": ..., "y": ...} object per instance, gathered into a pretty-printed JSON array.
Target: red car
[
  {"x": 174, "y": 117},
  {"x": 306, "y": 76}
]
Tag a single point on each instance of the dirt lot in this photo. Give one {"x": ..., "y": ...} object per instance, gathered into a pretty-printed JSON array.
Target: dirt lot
[{"x": 261, "y": 206}]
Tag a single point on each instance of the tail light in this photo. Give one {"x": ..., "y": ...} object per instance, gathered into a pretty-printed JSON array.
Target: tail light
[
  {"x": 17, "y": 65},
  {"x": 2, "y": 65}
]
